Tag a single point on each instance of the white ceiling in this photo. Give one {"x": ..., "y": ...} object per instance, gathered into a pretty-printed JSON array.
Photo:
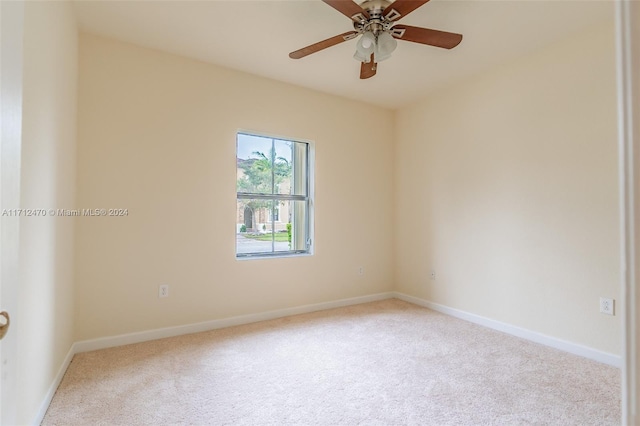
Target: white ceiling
[{"x": 256, "y": 36}]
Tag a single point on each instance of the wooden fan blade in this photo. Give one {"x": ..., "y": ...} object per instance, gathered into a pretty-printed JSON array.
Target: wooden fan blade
[
  {"x": 402, "y": 8},
  {"x": 349, "y": 8},
  {"x": 316, "y": 47},
  {"x": 427, "y": 36},
  {"x": 368, "y": 70}
]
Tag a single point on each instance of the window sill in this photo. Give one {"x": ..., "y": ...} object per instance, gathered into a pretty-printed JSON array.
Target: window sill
[{"x": 272, "y": 256}]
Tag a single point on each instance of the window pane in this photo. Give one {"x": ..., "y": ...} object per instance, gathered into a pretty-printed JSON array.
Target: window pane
[
  {"x": 290, "y": 165},
  {"x": 254, "y": 163},
  {"x": 282, "y": 166},
  {"x": 254, "y": 230},
  {"x": 258, "y": 231},
  {"x": 292, "y": 227}
]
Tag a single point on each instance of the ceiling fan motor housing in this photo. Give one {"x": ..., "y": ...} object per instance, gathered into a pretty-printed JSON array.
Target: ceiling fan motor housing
[
  {"x": 377, "y": 22},
  {"x": 375, "y": 7}
]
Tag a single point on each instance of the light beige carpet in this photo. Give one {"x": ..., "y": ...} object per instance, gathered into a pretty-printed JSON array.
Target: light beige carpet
[{"x": 382, "y": 363}]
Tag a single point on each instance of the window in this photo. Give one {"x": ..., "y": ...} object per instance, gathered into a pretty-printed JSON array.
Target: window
[{"x": 273, "y": 196}]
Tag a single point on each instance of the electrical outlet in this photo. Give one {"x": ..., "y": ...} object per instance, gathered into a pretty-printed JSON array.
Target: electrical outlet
[
  {"x": 163, "y": 290},
  {"x": 607, "y": 306},
  {"x": 433, "y": 274},
  {"x": 361, "y": 270}
]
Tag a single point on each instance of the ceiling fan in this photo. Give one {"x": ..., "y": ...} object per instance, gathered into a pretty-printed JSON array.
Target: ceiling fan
[{"x": 376, "y": 22}]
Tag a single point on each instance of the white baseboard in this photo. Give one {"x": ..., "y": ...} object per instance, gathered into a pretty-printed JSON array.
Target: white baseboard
[
  {"x": 54, "y": 386},
  {"x": 161, "y": 333},
  {"x": 563, "y": 345}
]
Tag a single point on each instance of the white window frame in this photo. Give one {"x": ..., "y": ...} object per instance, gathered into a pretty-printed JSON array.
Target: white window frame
[{"x": 307, "y": 225}]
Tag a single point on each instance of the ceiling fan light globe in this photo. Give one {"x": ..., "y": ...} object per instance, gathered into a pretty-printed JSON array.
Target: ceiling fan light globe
[
  {"x": 366, "y": 44},
  {"x": 379, "y": 57},
  {"x": 386, "y": 45},
  {"x": 361, "y": 58}
]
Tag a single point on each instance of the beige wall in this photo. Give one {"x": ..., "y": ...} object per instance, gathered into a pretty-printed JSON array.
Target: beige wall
[
  {"x": 156, "y": 135},
  {"x": 506, "y": 186},
  {"x": 45, "y": 332}
]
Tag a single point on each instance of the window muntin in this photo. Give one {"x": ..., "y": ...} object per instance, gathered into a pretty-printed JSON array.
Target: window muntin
[{"x": 273, "y": 202}]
